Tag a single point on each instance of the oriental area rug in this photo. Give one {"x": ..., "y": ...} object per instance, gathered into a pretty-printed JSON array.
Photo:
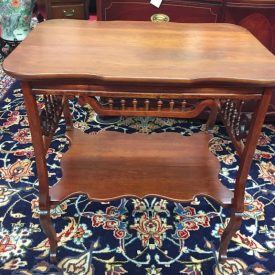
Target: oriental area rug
[
  {"x": 5, "y": 80},
  {"x": 152, "y": 236}
]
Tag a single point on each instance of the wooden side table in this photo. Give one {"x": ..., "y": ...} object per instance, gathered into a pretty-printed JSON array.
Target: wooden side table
[{"x": 151, "y": 70}]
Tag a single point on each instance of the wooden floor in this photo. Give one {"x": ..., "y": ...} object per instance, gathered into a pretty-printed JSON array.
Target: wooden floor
[{"x": 111, "y": 165}]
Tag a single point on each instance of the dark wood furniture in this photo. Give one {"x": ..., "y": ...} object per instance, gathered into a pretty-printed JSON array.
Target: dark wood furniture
[
  {"x": 258, "y": 16},
  {"x": 126, "y": 63},
  {"x": 67, "y": 9},
  {"x": 174, "y": 10}
]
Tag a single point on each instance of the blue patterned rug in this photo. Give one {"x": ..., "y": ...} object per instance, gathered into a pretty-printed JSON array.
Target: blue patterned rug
[
  {"x": 129, "y": 236},
  {"x": 5, "y": 80}
]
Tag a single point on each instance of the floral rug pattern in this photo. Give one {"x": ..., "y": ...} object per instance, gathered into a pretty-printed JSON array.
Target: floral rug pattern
[
  {"x": 129, "y": 236},
  {"x": 5, "y": 80}
]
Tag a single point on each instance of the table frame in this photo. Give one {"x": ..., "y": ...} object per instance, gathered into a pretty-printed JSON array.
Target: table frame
[{"x": 226, "y": 100}]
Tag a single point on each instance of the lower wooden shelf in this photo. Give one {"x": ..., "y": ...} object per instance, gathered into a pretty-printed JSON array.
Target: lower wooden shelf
[{"x": 112, "y": 165}]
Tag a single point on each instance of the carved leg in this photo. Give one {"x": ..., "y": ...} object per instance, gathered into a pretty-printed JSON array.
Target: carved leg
[
  {"x": 246, "y": 158},
  {"x": 67, "y": 115},
  {"x": 42, "y": 173},
  {"x": 48, "y": 228},
  {"x": 232, "y": 227}
]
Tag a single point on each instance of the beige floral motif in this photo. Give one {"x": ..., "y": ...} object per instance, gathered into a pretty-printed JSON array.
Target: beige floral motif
[
  {"x": 267, "y": 171},
  {"x": 13, "y": 119},
  {"x": 14, "y": 264},
  {"x": 40, "y": 268},
  {"x": 16, "y": 171},
  {"x": 77, "y": 265},
  {"x": 231, "y": 266},
  {"x": 146, "y": 125},
  {"x": 241, "y": 239},
  {"x": 254, "y": 208},
  {"x": 23, "y": 136},
  {"x": 227, "y": 159},
  {"x": 216, "y": 144},
  {"x": 113, "y": 268},
  {"x": 5, "y": 194},
  {"x": 151, "y": 228},
  {"x": 262, "y": 155},
  {"x": 263, "y": 140},
  {"x": 63, "y": 237},
  {"x": 55, "y": 212},
  {"x": 153, "y": 270},
  {"x": 194, "y": 268},
  {"x": 81, "y": 125},
  {"x": 14, "y": 242},
  {"x": 270, "y": 126}
]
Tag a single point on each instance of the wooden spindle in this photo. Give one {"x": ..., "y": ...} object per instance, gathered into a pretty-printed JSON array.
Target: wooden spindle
[
  {"x": 159, "y": 103},
  {"x": 172, "y": 104},
  {"x": 230, "y": 113},
  {"x": 55, "y": 107},
  {"x": 233, "y": 121},
  {"x": 238, "y": 124},
  {"x": 110, "y": 102},
  {"x": 222, "y": 107},
  {"x": 135, "y": 104},
  {"x": 241, "y": 107},
  {"x": 52, "y": 102},
  {"x": 56, "y": 101},
  {"x": 183, "y": 105},
  {"x": 123, "y": 102},
  {"x": 147, "y": 103},
  {"x": 226, "y": 109},
  {"x": 48, "y": 113},
  {"x": 46, "y": 106}
]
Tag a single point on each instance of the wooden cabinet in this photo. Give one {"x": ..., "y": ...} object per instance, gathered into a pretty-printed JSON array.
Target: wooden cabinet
[
  {"x": 256, "y": 16},
  {"x": 172, "y": 10},
  {"x": 74, "y": 9}
]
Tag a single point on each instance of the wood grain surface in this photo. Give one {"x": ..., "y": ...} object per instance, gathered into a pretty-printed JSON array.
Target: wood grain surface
[
  {"x": 112, "y": 165},
  {"x": 142, "y": 52}
]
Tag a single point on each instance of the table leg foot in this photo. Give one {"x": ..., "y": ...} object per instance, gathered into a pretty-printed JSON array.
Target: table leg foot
[
  {"x": 48, "y": 228},
  {"x": 53, "y": 258},
  {"x": 232, "y": 227}
]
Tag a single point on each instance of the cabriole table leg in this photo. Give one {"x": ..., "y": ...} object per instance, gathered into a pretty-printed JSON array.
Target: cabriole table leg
[
  {"x": 246, "y": 158},
  {"x": 40, "y": 157}
]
